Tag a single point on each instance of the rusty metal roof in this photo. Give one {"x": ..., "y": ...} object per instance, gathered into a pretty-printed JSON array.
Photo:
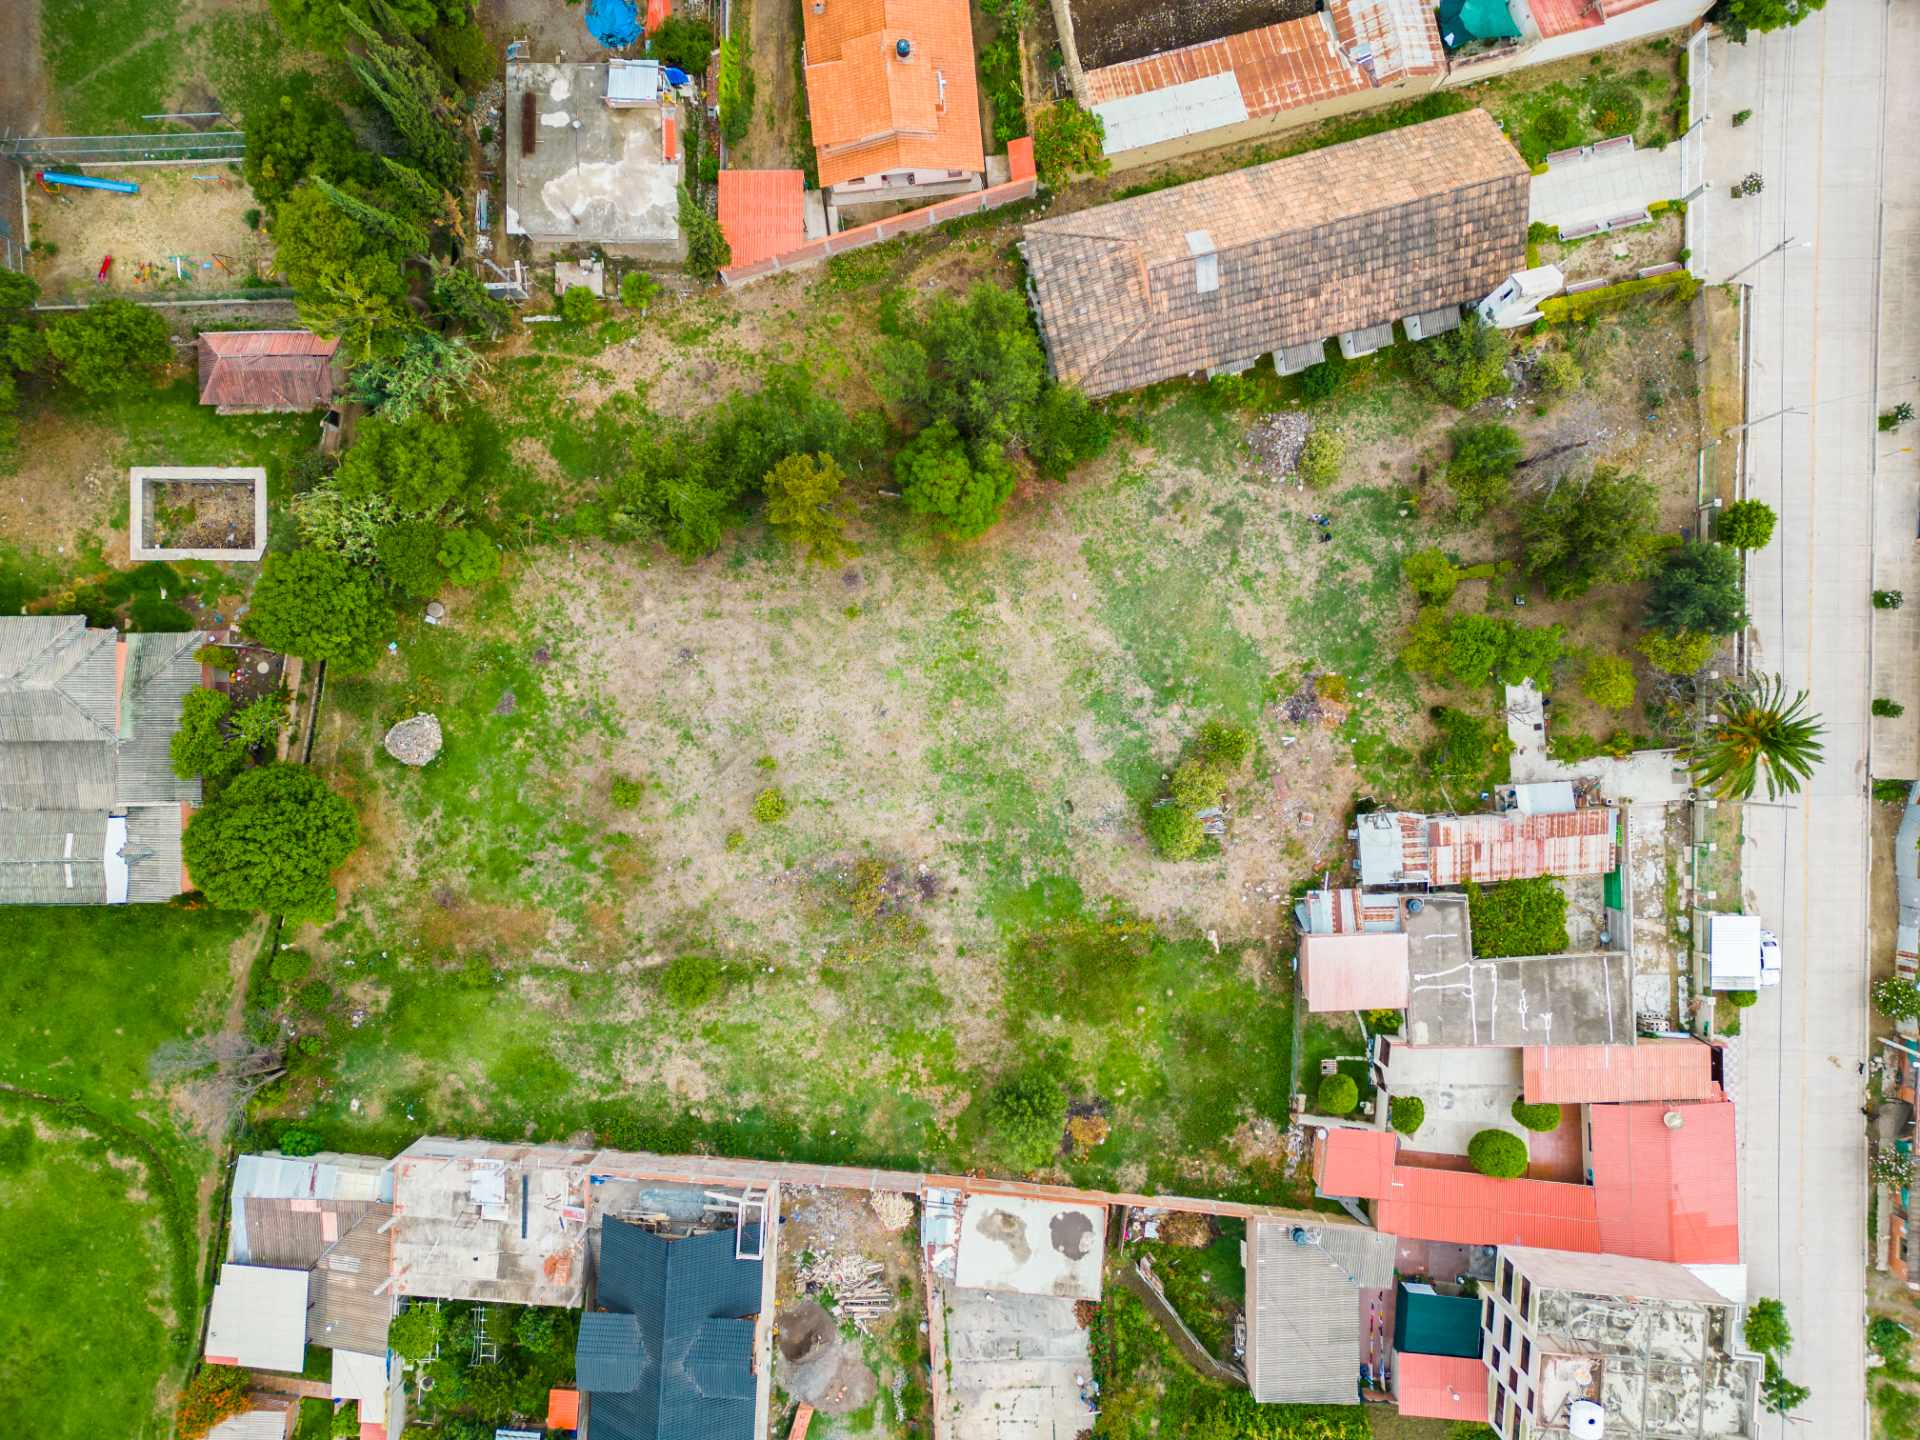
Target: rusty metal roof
[
  {"x": 267, "y": 369},
  {"x": 1360, "y": 971},
  {"x": 1485, "y": 848}
]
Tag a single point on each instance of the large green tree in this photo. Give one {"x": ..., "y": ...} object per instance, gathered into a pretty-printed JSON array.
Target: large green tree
[
  {"x": 271, "y": 841},
  {"x": 974, "y": 363},
  {"x": 962, "y": 486},
  {"x": 347, "y": 279},
  {"x": 1760, "y": 735},
  {"x": 201, "y": 746},
  {"x": 301, "y": 133},
  {"x": 315, "y": 605},
  {"x": 112, "y": 345},
  {"x": 418, "y": 464},
  {"x": 1697, "y": 591},
  {"x": 1741, "y": 17},
  {"x": 1602, "y": 531},
  {"x": 803, "y": 506},
  {"x": 1466, "y": 365},
  {"x": 1480, "y": 470}
]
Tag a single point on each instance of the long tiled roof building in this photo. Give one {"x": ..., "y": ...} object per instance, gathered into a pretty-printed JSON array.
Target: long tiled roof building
[{"x": 1212, "y": 275}]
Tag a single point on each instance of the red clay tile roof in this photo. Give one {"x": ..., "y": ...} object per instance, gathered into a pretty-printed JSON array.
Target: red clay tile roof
[
  {"x": 1593, "y": 1074},
  {"x": 267, "y": 369},
  {"x": 872, "y": 109},
  {"x": 762, "y": 212},
  {"x": 1668, "y": 1192},
  {"x": 1354, "y": 972},
  {"x": 1355, "y": 1163},
  {"x": 563, "y": 1406},
  {"x": 1302, "y": 249},
  {"x": 1440, "y": 1387}
]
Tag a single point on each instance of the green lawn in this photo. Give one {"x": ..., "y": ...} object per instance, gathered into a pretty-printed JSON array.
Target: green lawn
[{"x": 109, "y": 62}]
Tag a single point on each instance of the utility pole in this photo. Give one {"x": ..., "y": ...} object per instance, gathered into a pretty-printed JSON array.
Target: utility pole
[{"x": 1799, "y": 244}]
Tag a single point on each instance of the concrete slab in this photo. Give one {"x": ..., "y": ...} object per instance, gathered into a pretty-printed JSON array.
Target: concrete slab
[
  {"x": 1018, "y": 1367},
  {"x": 1464, "y": 1091},
  {"x": 1031, "y": 1247},
  {"x": 1535, "y": 1000},
  {"x": 1594, "y": 188}
]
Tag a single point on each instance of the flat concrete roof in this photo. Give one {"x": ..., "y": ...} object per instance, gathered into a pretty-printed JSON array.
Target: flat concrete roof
[
  {"x": 1526, "y": 1000},
  {"x": 1031, "y": 1247},
  {"x": 597, "y": 175},
  {"x": 259, "y": 1319},
  {"x": 1464, "y": 1091},
  {"x": 1016, "y": 1367}
]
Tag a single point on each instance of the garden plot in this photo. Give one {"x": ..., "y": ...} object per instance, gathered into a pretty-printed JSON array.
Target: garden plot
[
  {"x": 186, "y": 232},
  {"x": 1110, "y": 31}
]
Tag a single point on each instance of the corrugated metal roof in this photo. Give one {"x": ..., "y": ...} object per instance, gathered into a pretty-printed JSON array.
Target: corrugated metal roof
[
  {"x": 252, "y": 1425},
  {"x": 1429, "y": 1323},
  {"x": 341, "y": 1243},
  {"x": 1484, "y": 848},
  {"x": 1303, "y": 1306},
  {"x": 1354, "y": 972},
  {"x": 1440, "y": 1387},
  {"x": 1155, "y": 114},
  {"x": 53, "y": 857},
  {"x": 1668, "y": 1191},
  {"x": 1649, "y": 1069},
  {"x": 267, "y": 369},
  {"x": 160, "y": 673}
]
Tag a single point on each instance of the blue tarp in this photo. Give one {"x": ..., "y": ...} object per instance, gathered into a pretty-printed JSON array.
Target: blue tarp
[{"x": 614, "y": 23}]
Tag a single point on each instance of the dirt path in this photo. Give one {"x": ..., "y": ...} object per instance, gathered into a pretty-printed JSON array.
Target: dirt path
[{"x": 775, "y": 34}]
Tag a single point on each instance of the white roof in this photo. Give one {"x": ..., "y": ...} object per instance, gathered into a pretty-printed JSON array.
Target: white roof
[
  {"x": 1544, "y": 797},
  {"x": 1031, "y": 1247},
  {"x": 1171, "y": 112},
  {"x": 259, "y": 1319},
  {"x": 631, "y": 81},
  {"x": 251, "y": 1425},
  {"x": 363, "y": 1378},
  {"x": 1733, "y": 945}
]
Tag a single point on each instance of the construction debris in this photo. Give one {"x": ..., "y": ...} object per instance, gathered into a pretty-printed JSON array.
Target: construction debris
[
  {"x": 857, "y": 1285},
  {"x": 1276, "y": 441},
  {"x": 894, "y": 1209}
]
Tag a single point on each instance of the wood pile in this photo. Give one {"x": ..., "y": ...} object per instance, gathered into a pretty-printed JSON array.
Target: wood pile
[
  {"x": 859, "y": 1285},
  {"x": 894, "y": 1210}
]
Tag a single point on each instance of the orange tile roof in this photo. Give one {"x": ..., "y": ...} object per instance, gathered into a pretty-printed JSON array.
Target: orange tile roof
[
  {"x": 1468, "y": 1208},
  {"x": 1355, "y": 971},
  {"x": 762, "y": 212},
  {"x": 873, "y": 109},
  {"x": 1593, "y": 1074},
  {"x": 1355, "y": 1163},
  {"x": 563, "y": 1409},
  {"x": 1665, "y": 1191},
  {"x": 1440, "y": 1387}
]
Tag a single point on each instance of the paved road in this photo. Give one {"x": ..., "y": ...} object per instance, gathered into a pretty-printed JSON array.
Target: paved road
[
  {"x": 1819, "y": 99},
  {"x": 1600, "y": 187}
]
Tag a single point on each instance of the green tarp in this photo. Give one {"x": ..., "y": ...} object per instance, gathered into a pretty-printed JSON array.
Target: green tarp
[
  {"x": 1428, "y": 1323},
  {"x": 1463, "y": 21}
]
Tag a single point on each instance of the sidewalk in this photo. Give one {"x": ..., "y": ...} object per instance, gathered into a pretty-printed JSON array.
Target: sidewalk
[{"x": 1587, "y": 189}]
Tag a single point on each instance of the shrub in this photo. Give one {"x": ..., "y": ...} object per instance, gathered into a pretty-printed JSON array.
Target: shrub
[
  {"x": 1541, "y": 1118},
  {"x": 803, "y": 495},
  {"x": 314, "y": 605},
  {"x": 468, "y": 557},
  {"x": 1321, "y": 381},
  {"x": 1068, "y": 141},
  {"x": 1465, "y": 745},
  {"x": 1892, "y": 792},
  {"x": 409, "y": 554},
  {"x": 1027, "y": 1117},
  {"x": 538, "y": 1331},
  {"x": 1432, "y": 575},
  {"x": 1608, "y": 681},
  {"x": 1556, "y": 374},
  {"x": 1067, "y": 431},
  {"x": 1518, "y": 917},
  {"x": 578, "y": 306},
  {"x": 1888, "y": 599},
  {"x": 415, "y": 1331},
  {"x": 1000, "y": 77},
  {"x": 962, "y": 487},
  {"x": 1888, "y": 709},
  {"x": 1697, "y": 589},
  {"x": 770, "y": 806},
  {"x": 1740, "y": 999},
  {"x": 250, "y": 217},
  {"x": 975, "y": 362},
  {"x": 1175, "y": 831},
  {"x": 1745, "y": 525},
  {"x": 1464, "y": 366},
  {"x": 1338, "y": 1095},
  {"x": 299, "y": 1142},
  {"x": 638, "y": 289},
  {"x": 1678, "y": 652},
  {"x": 1224, "y": 744},
  {"x": 1407, "y": 1113},
  {"x": 271, "y": 841},
  {"x": 346, "y": 1421},
  {"x": 419, "y": 465},
  {"x": 1552, "y": 128},
  {"x": 736, "y": 87},
  {"x": 690, "y": 981},
  {"x": 288, "y": 967},
  {"x": 1740, "y": 117},
  {"x": 215, "y": 1393},
  {"x": 1765, "y": 1328},
  {"x": 1480, "y": 470},
  {"x": 1891, "y": 1167},
  {"x": 1197, "y": 784},
  {"x": 314, "y": 996},
  {"x": 1498, "y": 1153},
  {"x": 707, "y": 250},
  {"x": 1896, "y": 999},
  {"x": 112, "y": 346},
  {"x": 1891, "y": 1341},
  {"x": 1615, "y": 108},
  {"x": 1320, "y": 458},
  {"x": 684, "y": 42},
  {"x": 625, "y": 793}
]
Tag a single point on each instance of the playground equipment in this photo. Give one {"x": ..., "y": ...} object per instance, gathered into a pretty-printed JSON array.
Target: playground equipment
[
  {"x": 105, "y": 266},
  {"x": 87, "y": 182}
]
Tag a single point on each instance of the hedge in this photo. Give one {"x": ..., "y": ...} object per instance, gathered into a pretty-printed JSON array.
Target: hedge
[{"x": 1588, "y": 303}]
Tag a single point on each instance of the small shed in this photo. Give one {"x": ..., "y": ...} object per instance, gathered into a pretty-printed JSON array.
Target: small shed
[
  {"x": 1306, "y": 1292},
  {"x": 1362, "y": 971},
  {"x": 1544, "y": 797},
  {"x": 259, "y": 1319},
  {"x": 1733, "y": 952}
]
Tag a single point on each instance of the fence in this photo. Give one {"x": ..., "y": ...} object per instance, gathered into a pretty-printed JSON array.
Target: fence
[
  {"x": 177, "y": 148},
  {"x": 1022, "y": 186}
]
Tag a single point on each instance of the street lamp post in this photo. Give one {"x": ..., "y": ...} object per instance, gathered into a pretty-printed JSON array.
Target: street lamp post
[{"x": 1797, "y": 244}]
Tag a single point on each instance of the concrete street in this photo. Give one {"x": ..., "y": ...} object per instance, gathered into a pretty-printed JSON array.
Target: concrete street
[
  {"x": 1818, "y": 137},
  {"x": 1592, "y": 188}
]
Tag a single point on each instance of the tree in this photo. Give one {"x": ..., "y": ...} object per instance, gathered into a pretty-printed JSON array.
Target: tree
[
  {"x": 215, "y": 1393},
  {"x": 1556, "y": 374},
  {"x": 313, "y": 604},
  {"x": 1432, "y": 575},
  {"x": 1697, "y": 589},
  {"x": 410, "y": 557},
  {"x": 418, "y": 464},
  {"x": 1517, "y": 917},
  {"x": 1677, "y": 652},
  {"x": 1174, "y": 831},
  {"x": 1498, "y": 1153},
  {"x": 297, "y": 1142},
  {"x": 1759, "y": 735},
  {"x": 684, "y": 42},
  {"x": 301, "y": 133},
  {"x": 415, "y": 1331},
  {"x": 111, "y": 346},
  {"x": 200, "y": 746},
  {"x": 1407, "y": 1113},
  {"x": 1472, "y": 649},
  {"x": 1745, "y": 525},
  {"x": 1466, "y": 365},
  {"x": 1600, "y": 532},
  {"x": 469, "y": 557},
  {"x": 1067, "y": 431},
  {"x": 578, "y": 306},
  {"x": 406, "y": 84},
  {"x": 346, "y": 279},
  {"x": 1741, "y": 17},
  {"x": 1027, "y": 1117},
  {"x": 1608, "y": 681},
  {"x": 1778, "y": 1394},
  {"x": 1338, "y": 1095},
  {"x": 1895, "y": 998},
  {"x": 707, "y": 250},
  {"x": 1068, "y": 141},
  {"x": 1320, "y": 458},
  {"x": 1464, "y": 747},
  {"x": 406, "y": 237},
  {"x": 538, "y": 1330},
  {"x": 638, "y": 289},
  {"x": 1540, "y": 1118},
  {"x": 803, "y": 494},
  {"x": 271, "y": 841},
  {"x": 1480, "y": 471},
  {"x": 962, "y": 487},
  {"x": 974, "y": 363},
  {"x": 460, "y": 297},
  {"x": 429, "y": 374}
]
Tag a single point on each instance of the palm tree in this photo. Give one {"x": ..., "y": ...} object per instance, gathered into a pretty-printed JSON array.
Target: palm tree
[{"x": 1757, "y": 736}]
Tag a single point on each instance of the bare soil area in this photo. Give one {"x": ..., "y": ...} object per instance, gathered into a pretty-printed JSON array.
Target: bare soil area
[
  {"x": 198, "y": 515},
  {"x": 196, "y": 213},
  {"x": 1109, "y": 31},
  {"x": 1621, "y": 254},
  {"x": 773, "y": 141}
]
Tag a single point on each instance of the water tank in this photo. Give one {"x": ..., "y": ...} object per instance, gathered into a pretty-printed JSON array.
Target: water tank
[
  {"x": 1415, "y": 906},
  {"x": 903, "y": 48},
  {"x": 1585, "y": 1418}
]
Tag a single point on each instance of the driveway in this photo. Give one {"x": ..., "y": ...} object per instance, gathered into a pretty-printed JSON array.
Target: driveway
[
  {"x": 1591, "y": 188},
  {"x": 1819, "y": 99}
]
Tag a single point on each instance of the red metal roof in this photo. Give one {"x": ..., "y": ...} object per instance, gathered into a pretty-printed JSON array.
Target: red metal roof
[
  {"x": 1593, "y": 1074},
  {"x": 1668, "y": 1191},
  {"x": 267, "y": 369},
  {"x": 1354, "y": 971},
  {"x": 1355, "y": 1163},
  {"x": 1562, "y": 17},
  {"x": 762, "y": 212},
  {"x": 1468, "y": 1208},
  {"x": 563, "y": 1409},
  {"x": 1513, "y": 846},
  {"x": 1440, "y": 1387}
]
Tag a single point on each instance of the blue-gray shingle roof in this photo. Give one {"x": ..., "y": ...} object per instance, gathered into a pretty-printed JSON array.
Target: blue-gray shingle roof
[{"x": 683, "y": 1308}]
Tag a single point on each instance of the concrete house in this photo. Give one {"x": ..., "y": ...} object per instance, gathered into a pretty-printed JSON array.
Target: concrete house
[
  {"x": 1338, "y": 243},
  {"x": 91, "y": 812},
  {"x": 892, "y": 99}
]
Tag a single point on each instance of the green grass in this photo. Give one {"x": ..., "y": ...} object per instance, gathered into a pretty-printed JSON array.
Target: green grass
[
  {"x": 109, "y": 62},
  {"x": 1205, "y": 1286}
]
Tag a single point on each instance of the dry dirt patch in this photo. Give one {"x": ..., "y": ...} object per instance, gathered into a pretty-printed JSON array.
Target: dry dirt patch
[{"x": 176, "y": 213}]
